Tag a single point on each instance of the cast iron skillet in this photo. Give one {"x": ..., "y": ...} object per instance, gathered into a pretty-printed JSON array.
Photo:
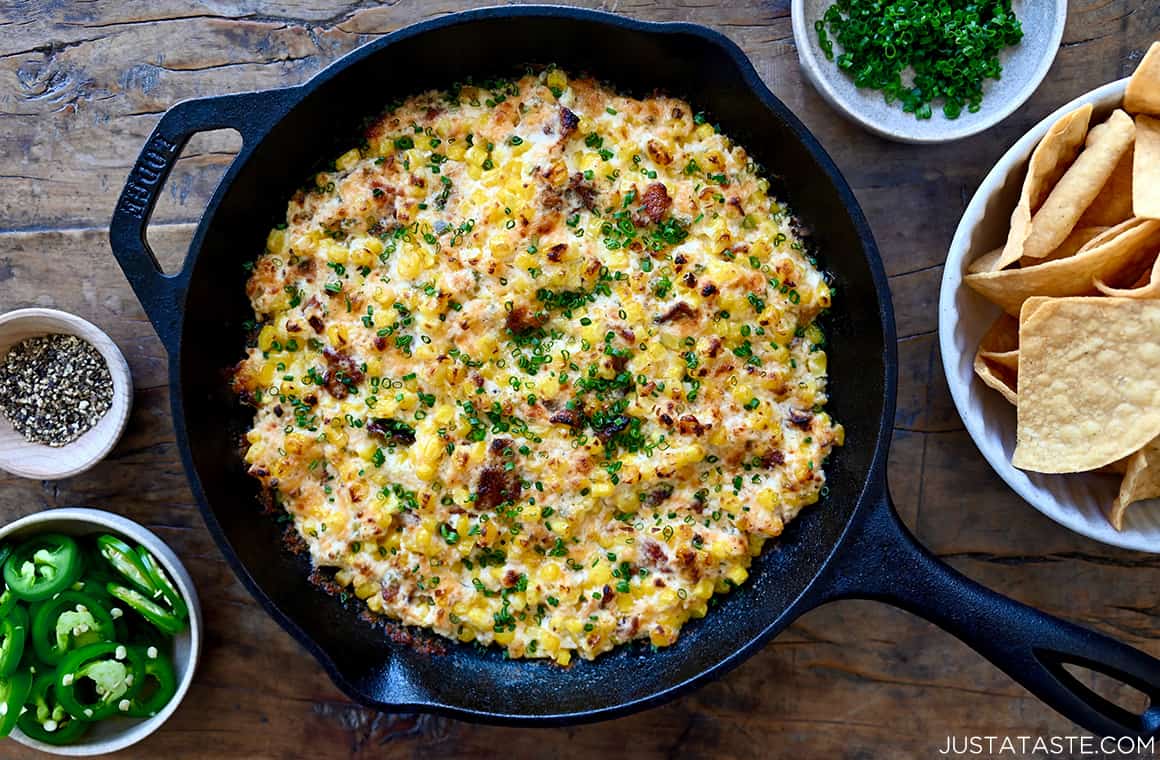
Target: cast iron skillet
[{"x": 851, "y": 545}]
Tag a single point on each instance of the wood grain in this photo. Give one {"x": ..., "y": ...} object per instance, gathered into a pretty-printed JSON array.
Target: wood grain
[{"x": 81, "y": 86}]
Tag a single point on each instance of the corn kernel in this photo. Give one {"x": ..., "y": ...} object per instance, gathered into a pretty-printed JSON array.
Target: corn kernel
[
  {"x": 557, "y": 79},
  {"x": 601, "y": 489},
  {"x": 266, "y": 337},
  {"x": 737, "y": 574},
  {"x": 276, "y": 241},
  {"x": 347, "y": 160},
  {"x": 335, "y": 252},
  {"x": 266, "y": 374}
]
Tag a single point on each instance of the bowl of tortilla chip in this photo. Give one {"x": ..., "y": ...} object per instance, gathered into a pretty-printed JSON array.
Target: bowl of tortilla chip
[{"x": 1049, "y": 313}]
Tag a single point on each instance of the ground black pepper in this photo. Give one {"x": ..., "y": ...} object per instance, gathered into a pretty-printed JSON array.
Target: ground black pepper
[{"x": 54, "y": 388}]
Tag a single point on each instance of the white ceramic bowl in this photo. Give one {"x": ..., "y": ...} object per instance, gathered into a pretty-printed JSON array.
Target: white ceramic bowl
[
  {"x": 1074, "y": 501},
  {"x": 1024, "y": 67},
  {"x": 118, "y": 733},
  {"x": 41, "y": 462}
]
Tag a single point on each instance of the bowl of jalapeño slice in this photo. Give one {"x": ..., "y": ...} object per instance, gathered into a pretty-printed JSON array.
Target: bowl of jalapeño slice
[{"x": 100, "y": 631}]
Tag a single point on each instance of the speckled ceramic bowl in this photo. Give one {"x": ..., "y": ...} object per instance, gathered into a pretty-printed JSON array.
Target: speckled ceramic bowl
[
  {"x": 1024, "y": 67},
  {"x": 1074, "y": 501}
]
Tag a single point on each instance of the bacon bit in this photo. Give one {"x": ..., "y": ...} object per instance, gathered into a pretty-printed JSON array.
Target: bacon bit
[
  {"x": 586, "y": 191},
  {"x": 511, "y": 578},
  {"x": 389, "y": 430},
  {"x": 773, "y": 459},
  {"x": 690, "y": 425},
  {"x": 659, "y": 495},
  {"x": 500, "y": 445},
  {"x": 569, "y": 417},
  {"x": 521, "y": 319},
  {"x": 690, "y": 279},
  {"x": 293, "y": 327},
  {"x": 496, "y": 486},
  {"x": 679, "y": 310},
  {"x": 659, "y": 153},
  {"x": 714, "y": 347},
  {"x": 709, "y": 290},
  {"x": 680, "y": 261},
  {"x": 612, "y": 427},
  {"x": 556, "y": 252},
  {"x": 568, "y": 122},
  {"x": 678, "y": 113},
  {"x": 687, "y": 558},
  {"x": 380, "y": 343},
  {"x": 338, "y": 363},
  {"x": 316, "y": 323},
  {"x": 654, "y": 552},
  {"x": 666, "y": 419},
  {"x": 278, "y": 410},
  {"x": 655, "y": 203},
  {"x": 800, "y": 419},
  {"x": 735, "y": 202},
  {"x": 390, "y": 591},
  {"x": 606, "y": 596}
]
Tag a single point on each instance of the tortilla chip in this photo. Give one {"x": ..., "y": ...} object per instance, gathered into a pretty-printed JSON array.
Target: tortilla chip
[
  {"x": 1145, "y": 285},
  {"x": 1002, "y": 335},
  {"x": 1118, "y": 467},
  {"x": 1114, "y": 202},
  {"x": 1146, "y": 168},
  {"x": 1008, "y": 359},
  {"x": 1078, "y": 238},
  {"x": 1089, "y": 382},
  {"x": 997, "y": 360},
  {"x": 1107, "y": 253},
  {"x": 1079, "y": 186},
  {"x": 1051, "y": 159},
  {"x": 1143, "y": 93},
  {"x": 986, "y": 262},
  {"x": 1141, "y": 481}
]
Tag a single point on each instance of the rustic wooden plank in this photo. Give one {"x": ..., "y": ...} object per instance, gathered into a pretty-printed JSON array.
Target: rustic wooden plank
[{"x": 82, "y": 85}]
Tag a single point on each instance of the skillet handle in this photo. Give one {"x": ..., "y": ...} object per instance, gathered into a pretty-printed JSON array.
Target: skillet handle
[
  {"x": 163, "y": 295},
  {"x": 881, "y": 560}
]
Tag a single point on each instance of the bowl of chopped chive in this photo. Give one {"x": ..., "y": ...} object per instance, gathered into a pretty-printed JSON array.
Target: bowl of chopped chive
[
  {"x": 100, "y": 632},
  {"x": 927, "y": 71},
  {"x": 65, "y": 394}
]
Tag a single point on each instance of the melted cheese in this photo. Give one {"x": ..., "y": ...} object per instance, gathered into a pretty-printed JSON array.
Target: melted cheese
[{"x": 539, "y": 366}]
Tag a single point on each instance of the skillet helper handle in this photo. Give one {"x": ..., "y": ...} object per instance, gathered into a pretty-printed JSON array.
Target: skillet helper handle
[
  {"x": 162, "y": 295},
  {"x": 881, "y": 560}
]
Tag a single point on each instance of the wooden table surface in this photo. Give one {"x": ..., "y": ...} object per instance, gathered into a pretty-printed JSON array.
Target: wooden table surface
[{"x": 81, "y": 86}]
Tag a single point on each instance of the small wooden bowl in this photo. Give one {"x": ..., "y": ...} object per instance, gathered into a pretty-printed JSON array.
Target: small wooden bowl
[{"x": 41, "y": 462}]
